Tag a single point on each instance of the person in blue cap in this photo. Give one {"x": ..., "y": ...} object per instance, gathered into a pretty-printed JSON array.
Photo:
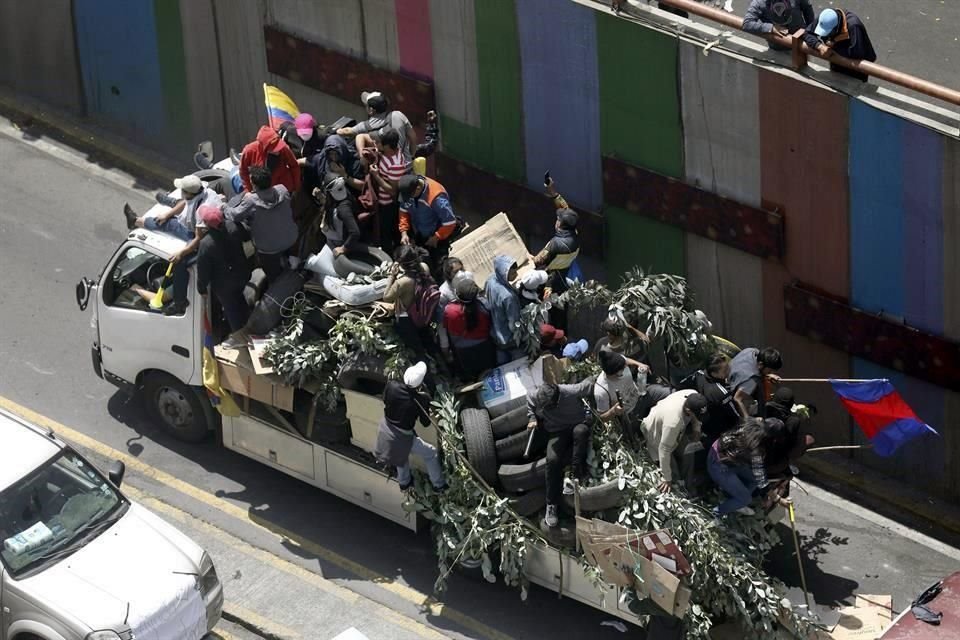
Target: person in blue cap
[{"x": 841, "y": 32}]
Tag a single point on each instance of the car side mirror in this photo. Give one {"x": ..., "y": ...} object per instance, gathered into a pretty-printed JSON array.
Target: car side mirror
[
  {"x": 115, "y": 472},
  {"x": 83, "y": 293}
]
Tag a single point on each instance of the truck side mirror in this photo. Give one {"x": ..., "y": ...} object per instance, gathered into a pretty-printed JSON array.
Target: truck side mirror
[
  {"x": 83, "y": 293},
  {"x": 115, "y": 472}
]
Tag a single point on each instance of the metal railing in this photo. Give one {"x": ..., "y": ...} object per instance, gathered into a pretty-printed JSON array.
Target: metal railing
[{"x": 801, "y": 51}]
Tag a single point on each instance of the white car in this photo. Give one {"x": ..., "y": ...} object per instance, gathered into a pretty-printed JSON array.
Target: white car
[{"x": 82, "y": 562}]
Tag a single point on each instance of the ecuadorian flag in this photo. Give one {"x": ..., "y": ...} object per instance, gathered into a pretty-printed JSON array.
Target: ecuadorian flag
[
  {"x": 280, "y": 108},
  {"x": 881, "y": 413}
]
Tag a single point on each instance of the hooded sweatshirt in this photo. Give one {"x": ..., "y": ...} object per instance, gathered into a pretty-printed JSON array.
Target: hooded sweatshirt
[
  {"x": 317, "y": 166},
  {"x": 270, "y": 151},
  {"x": 270, "y": 216},
  {"x": 503, "y": 302},
  {"x": 762, "y": 15}
]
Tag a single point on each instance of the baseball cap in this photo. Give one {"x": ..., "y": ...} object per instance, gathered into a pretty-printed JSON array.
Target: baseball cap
[
  {"x": 209, "y": 216},
  {"x": 305, "y": 124},
  {"x": 576, "y": 350},
  {"x": 550, "y": 335},
  {"x": 378, "y": 100},
  {"x": 829, "y": 19},
  {"x": 189, "y": 184}
]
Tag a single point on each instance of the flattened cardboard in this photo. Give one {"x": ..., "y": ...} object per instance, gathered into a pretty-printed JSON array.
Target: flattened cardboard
[
  {"x": 884, "y": 603},
  {"x": 684, "y": 593},
  {"x": 548, "y": 368},
  {"x": 656, "y": 582},
  {"x": 256, "y": 349},
  {"x": 614, "y": 567},
  {"x": 477, "y": 249}
]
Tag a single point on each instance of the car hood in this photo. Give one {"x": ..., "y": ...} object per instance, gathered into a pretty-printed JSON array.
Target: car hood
[{"x": 140, "y": 561}]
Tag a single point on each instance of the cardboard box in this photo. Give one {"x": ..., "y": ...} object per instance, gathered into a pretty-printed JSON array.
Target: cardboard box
[
  {"x": 237, "y": 375},
  {"x": 657, "y": 583},
  {"x": 497, "y": 236},
  {"x": 549, "y": 368}
]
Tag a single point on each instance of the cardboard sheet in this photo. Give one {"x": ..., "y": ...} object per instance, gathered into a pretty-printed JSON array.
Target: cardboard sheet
[
  {"x": 478, "y": 248},
  {"x": 256, "y": 348},
  {"x": 866, "y": 620}
]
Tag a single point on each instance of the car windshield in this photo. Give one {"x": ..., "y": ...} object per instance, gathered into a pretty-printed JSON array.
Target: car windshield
[{"x": 51, "y": 512}]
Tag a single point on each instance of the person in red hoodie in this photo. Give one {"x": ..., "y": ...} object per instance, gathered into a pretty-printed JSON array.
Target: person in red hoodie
[
  {"x": 270, "y": 151},
  {"x": 467, "y": 322}
]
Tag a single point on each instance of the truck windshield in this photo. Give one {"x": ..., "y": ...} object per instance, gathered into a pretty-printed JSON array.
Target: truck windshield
[{"x": 54, "y": 511}]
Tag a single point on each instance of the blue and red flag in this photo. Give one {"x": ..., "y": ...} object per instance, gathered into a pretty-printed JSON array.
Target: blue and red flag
[{"x": 881, "y": 413}]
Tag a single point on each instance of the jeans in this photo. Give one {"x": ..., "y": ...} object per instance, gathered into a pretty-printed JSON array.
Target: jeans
[
  {"x": 429, "y": 454},
  {"x": 736, "y": 480},
  {"x": 180, "y": 277},
  {"x": 558, "y": 448},
  {"x": 171, "y": 226}
]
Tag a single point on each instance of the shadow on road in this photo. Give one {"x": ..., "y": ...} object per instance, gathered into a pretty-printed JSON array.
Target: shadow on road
[{"x": 828, "y": 589}]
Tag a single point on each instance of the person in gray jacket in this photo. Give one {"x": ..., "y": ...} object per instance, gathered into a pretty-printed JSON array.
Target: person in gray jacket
[
  {"x": 269, "y": 215},
  {"x": 777, "y": 17}
]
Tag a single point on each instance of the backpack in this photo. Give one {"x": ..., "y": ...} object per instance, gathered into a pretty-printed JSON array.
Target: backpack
[{"x": 426, "y": 298}]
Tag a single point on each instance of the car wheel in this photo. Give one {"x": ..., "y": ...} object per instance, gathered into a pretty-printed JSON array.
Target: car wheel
[
  {"x": 513, "y": 447},
  {"x": 523, "y": 477},
  {"x": 509, "y": 423},
  {"x": 365, "y": 373},
  {"x": 479, "y": 442},
  {"x": 599, "y": 498},
  {"x": 178, "y": 408}
]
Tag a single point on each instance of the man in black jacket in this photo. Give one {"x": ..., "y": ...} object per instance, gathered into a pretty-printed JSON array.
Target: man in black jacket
[
  {"x": 711, "y": 383},
  {"x": 841, "y": 32},
  {"x": 403, "y": 405},
  {"x": 777, "y": 17},
  {"x": 223, "y": 268}
]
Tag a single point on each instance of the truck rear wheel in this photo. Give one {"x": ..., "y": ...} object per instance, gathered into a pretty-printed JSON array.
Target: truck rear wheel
[{"x": 178, "y": 408}]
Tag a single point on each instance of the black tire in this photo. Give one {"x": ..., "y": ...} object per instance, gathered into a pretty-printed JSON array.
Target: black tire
[
  {"x": 479, "y": 442},
  {"x": 182, "y": 411},
  {"x": 360, "y": 262},
  {"x": 509, "y": 423},
  {"x": 512, "y": 448},
  {"x": 361, "y": 372},
  {"x": 529, "y": 503},
  {"x": 523, "y": 477},
  {"x": 599, "y": 498}
]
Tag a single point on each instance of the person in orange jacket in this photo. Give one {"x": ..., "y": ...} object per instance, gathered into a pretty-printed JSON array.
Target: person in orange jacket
[{"x": 426, "y": 216}]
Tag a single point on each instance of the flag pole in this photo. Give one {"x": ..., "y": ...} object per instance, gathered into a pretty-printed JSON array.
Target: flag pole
[
  {"x": 266, "y": 99},
  {"x": 796, "y": 545},
  {"x": 838, "y": 447}
]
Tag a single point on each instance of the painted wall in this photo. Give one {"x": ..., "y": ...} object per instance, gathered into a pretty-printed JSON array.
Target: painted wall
[{"x": 871, "y": 200}]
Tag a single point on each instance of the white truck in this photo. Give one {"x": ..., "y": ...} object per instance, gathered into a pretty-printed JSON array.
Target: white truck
[{"x": 139, "y": 349}]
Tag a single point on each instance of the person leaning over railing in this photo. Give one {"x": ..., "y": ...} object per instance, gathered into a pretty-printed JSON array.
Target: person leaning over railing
[
  {"x": 777, "y": 17},
  {"x": 841, "y": 32}
]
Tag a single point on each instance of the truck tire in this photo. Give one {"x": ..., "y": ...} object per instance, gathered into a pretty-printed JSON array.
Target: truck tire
[
  {"x": 509, "y": 423},
  {"x": 479, "y": 442},
  {"x": 182, "y": 411},
  {"x": 529, "y": 503},
  {"x": 362, "y": 372},
  {"x": 599, "y": 498},
  {"x": 360, "y": 262},
  {"x": 512, "y": 448},
  {"x": 523, "y": 477}
]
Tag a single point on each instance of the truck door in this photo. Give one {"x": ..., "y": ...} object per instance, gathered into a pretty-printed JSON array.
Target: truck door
[{"x": 134, "y": 337}]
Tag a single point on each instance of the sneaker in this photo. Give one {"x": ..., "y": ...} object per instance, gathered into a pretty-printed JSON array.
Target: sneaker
[
  {"x": 234, "y": 157},
  {"x": 202, "y": 161},
  {"x": 746, "y": 511},
  {"x": 728, "y": 6},
  {"x": 550, "y": 519},
  {"x": 568, "y": 489},
  {"x": 165, "y": 200},
  {"x": 795, "y": 470},
  {"x": 130, "y": 215},
  {"x": 233, "y": 342},
  {"x": 406, "y": 486},
  {"x": 175, "y": 308}
]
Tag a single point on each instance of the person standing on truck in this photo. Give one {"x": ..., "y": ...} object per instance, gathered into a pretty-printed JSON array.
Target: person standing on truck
[
  {"x": 467, "y": 323},
  {"x": 560, "y": 252},
  {"x": 777, "y": 17},
  {"x": 382, "y": 117},
  {"x": 841, "y": 32},
  {"x": 622, "y": 382},
  {"x": 403, "y": 405},
  {"x": 179, "y": 221},
  {"x": 426, "y": 216},
  {"x": 504, "y": 304},
  {"x": 672, "y": 424},
  {"x": 340, "y": 218},
  {"x": 408, "y": 270},
  {"x": 751, "y": 372},
  {"x": 560, "y": 411},
  {"x": 390, "y": 166},
  {"x": 268, "y": 212},
  {"x": 711, "y": 382},
  {"x": 270, "y": 151},
  {"x": 222, "y": 268}
]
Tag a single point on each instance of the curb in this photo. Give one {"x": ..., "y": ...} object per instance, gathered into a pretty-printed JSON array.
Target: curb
[
  {"x": 27, "y": 113},
  {"x": 262, "y": 628}
]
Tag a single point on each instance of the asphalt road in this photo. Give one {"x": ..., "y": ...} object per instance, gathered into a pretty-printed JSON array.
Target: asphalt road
[{"x": 60, "y": 220}]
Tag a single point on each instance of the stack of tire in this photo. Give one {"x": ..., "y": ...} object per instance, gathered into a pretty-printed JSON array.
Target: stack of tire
[{"x": 495, "y": 448}]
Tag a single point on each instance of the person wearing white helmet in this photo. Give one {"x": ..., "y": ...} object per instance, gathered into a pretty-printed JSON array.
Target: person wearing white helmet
[
  {"x": 403, "y": 404},
  {"x": 841, "y": 32}
]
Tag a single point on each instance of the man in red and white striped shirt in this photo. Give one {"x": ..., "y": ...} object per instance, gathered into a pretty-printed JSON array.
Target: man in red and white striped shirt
[{"x": 386, "y": 173}]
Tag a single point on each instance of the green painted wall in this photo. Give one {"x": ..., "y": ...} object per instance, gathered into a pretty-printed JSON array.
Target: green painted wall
[
  {"x": 497, "y": 145},
  {"x": 639, "y": 96},
  {"x": 173, "y": 73},
  {"x": 633, "y": 240}
]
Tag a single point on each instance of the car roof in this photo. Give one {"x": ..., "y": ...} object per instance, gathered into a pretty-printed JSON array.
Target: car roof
[{"x": 25, "y": 447}]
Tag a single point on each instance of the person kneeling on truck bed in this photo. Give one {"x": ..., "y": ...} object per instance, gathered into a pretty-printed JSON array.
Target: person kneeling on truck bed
[
  {"x": 560, "y": 410},
  {"x": 403, "y": 405}
]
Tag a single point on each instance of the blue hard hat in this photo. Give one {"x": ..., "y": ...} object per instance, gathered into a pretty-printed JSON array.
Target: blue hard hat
[{"x": 829, "y": 19}]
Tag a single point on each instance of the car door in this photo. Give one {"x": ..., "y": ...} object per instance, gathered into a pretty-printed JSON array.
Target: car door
[{"x": 133, "y": 336}]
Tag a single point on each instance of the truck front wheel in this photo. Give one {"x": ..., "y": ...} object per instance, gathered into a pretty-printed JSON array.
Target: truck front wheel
[{"x": 178, "y": 408}]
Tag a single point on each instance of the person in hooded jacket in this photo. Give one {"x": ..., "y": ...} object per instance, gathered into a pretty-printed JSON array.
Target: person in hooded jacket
[
  {"x": 340, "y": 218},
  {"x": 841, "y": 32},
  {"x": 426, "y": 216},
  {"x": 270, "y": 151},
  {"x": 403, "y": 405},
  {"x": 269, "y": 215},
  {"x": 560, "y": 252},
  {"x": 336, "y": 157},
  {"x": 467, "y": 323},
  {"x": 504, "y": 304},
  {"x": 223, "y": 269}
]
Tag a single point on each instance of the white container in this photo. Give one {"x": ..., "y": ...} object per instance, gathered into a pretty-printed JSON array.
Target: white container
[{"x": 506, "y": 387}]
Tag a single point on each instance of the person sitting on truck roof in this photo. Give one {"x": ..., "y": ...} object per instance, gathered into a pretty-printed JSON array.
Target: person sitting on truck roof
[
  {"x": 403, "y": 405},
  {"x": 426, "y": 216},
  {"x": 560, "y": 252},
  {"x": 270, "y": 151},
  {"x": 559, "y": 410},
  {"x": 467, "y": 322},
  {"x": 407, "y": 270},
  {"x": 223, "y": 268},
  {"x": 179, "y": 221},
  {"x": 751, "y": 371},
  {"x": 777, "y": 17},
  {"x": 671, "y": 425},
  {"x": 268, "y": 212},
  {"x": 841, "y": 32},
  {"x": 504, "y": 304},
  {"x": 453, "y": 272},
  {"x": 735, "y": 462},
  {"x": 381, "y": 116},
  {"x": 336, "y": 157}
]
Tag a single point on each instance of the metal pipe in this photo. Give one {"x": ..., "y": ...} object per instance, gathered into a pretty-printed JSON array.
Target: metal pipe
[{"x": 869, "y": 68}]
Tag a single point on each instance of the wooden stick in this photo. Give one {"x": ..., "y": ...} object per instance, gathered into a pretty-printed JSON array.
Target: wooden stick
[
  {"x": 796, "y": 544},
  {"x": 838, "y": 447},
  {"x": 576, "y": 506}
]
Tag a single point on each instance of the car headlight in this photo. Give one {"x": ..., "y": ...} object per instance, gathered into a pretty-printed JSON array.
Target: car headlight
[
  {"x": 103, "y": 635},
  {"x": 208, "y": 576}
]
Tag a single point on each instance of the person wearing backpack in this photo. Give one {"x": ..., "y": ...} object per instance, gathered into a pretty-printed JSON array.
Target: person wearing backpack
[{"x": 415, "y": 297}]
